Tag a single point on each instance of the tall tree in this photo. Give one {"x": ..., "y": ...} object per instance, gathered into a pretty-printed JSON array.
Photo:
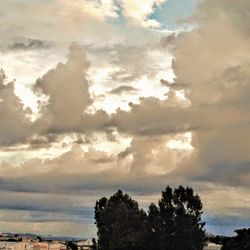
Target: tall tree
[
  {"x": 167, "y": 210},
  {"x": 103, "y": 223},
  {"x": 181, "y": 212},
  {"x": 175, "y": 225},
  {"x": 154, "y": 227},
  {"x": 121, "y": 224}
]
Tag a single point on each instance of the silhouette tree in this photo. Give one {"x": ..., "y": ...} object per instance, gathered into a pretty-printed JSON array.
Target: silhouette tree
[
  {"x": 121, "y": 224},
  {"x": 154, "y": 227},
  {"x": 71, "y": 245},
  {"x": 182, "y": 227},
  {"x": 39, "y": 239},
  {"x": 94, "y": 244},
  {"x": 240, "y": 242},
  {"x": 167, "y": 209},
  {"x": 176, "y": 224},
  {"x": 103, "y": 223}
]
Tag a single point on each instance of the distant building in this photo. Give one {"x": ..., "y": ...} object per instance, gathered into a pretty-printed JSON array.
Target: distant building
[
  {"x": 40, "y": 246},
  {"x": 84, "y": 244},
  {"x": 27, "y": 240},
  {"x": 57, "y": 246},
  {"x": 15, "y": 246},
  {"x": 48, "y": 246}
]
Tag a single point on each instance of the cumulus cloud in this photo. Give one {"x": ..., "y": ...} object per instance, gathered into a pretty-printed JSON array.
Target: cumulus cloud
[
  {"x": 211, "y": 65},
  {"x": 138, "y": 13},
  {"x": 149, "y": 155},
  {"x": 152, "y": 116},
  {"x": 218, "y": 76},
  {"x": 64, "y": 97},
  {"x": 68, "y": 91},
  {"x": 218, "y": 62},
  {"x": 14, "y": 126}
]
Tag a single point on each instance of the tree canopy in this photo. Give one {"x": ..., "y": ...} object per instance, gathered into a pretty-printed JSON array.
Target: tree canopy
[
  {"x": 174, "y": 224},
  {"x": 121, "y": 224},
  {"x": 182, "y": 227},
  {"x": 240, "y": 242}
]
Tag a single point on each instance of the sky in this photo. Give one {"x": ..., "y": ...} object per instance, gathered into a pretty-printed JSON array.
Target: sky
[{"x": 97, "y": 95}]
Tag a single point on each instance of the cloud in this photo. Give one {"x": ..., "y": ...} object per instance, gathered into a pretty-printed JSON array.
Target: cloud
[
  {"x": 14, "y": 126},
  {"x": 168, "y": 42},
  {"x": 151, "y": 117},
  {"x": 66, "y": 188},
  {"x": 213, "y": 61},
  {"x": 54, "y": 19},
  {"x": 132, "y": 62},
  {"x": 212, "y": 66},
  {"x": 123, "y": 88},
  {"x": 22, "y": 43},
  {"x": 60, "y": 228},
  {"x": 149, "y": 155},
  {"x": 63, "y": 98},
  {"x": 17, "y": 44},
  {"x": 175, "y": 86},
  {"x": 139, "y": 167},
  {"x": 68, "y": 91},
  {"x": 138, "y": 13},
  {"x": 210, "y": 63},
  {"x": 215, "y": 82}
]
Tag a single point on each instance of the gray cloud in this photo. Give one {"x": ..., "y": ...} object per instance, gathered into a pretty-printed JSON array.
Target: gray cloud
[
  {"x": 123, "y": 89},
  {"x": 131, "y": 61},
  {"x": 68, "y": 92},
  {"x": 175, "y": 85},
  {"x": 23, "y": 43},
  {"x": 214, "y": 59},
  {"x": 14, "y": 126},
  {"x": 168, "y": 42}
]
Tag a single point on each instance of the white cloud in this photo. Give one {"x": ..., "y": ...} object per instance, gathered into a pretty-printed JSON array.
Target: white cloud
[{"x": 138, "y": 12}]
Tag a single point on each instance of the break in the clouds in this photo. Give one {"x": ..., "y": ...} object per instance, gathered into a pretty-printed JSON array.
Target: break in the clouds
[{"x": 100, "y": 95}]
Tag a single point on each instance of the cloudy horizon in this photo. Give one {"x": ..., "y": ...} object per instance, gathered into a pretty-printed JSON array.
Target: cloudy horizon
[{"x": 106, "y": 94}]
